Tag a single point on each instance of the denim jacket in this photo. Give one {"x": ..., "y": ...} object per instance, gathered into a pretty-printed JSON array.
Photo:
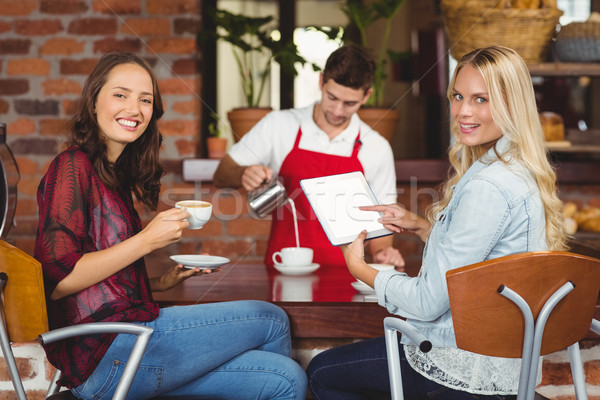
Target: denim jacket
[{"x": 495, "y": 210}]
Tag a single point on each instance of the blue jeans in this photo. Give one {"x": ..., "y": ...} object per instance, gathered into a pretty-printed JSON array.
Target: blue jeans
[
  {"x": 360, "y": 371},
  {"x": 231, "y": 350}
]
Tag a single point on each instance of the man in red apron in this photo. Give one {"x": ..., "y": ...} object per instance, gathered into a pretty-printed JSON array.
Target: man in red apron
[{"x": 325, "y": 138}]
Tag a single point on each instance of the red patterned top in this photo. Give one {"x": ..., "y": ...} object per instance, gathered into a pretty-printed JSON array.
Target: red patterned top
[{"x": 79, "y": 214}]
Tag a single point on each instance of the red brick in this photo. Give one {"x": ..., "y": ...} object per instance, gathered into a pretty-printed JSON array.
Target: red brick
[
  {"x": 146, "y": 26},
  {"x": 188, "y": 66},
  {"x": 93, "y": 26},
  {"x": 186, "y": 147},
  {"x": 35, "y": 146},
  {"x": 36, "y": 107},
  {"x": 15, "y": 46},
  {"x": 4, "y": 27},
  {"x": 117, "y": 7},
  {"x": 27, "y": 186},
  {"x": 14, "y": 8},
  {"x": 212, "y": 228},
  {"x": 592, "y": 371},
  {"x": 261, "y": 248},
  {"x": 179, "y": 127},
  {"x": 66, "y": 46},
  {"x": 26, "y": 166},
  {"x": 69, "y": 107},
  {"x": 4, "y": 106},
  {"x": 27, "y": 207},
  {"x": 61, "y": 86},
  {"x": 54, "y": 127},
  {"x": 232, "y": 249},
  {"x": 28, "y": 66},
  {"x": 21, "y": 126},
  {"x": 38, "y": 27},
  {"x": 186, "y": 25},
  {"x": 189, "y": 247},
  {"x": 179, "y": 86},
  {"x": 77, "y": 67},
  {"x": 162, "y": 7},
  {"x": 63, "y": 6},
  {"x": 187, "y": 107},
  {"x": 249, "y": 227},
  {"x": 26, "y": 226},
  {"x": 556, "y": 374},
  {"x": 107, "y": 45},
  {"x": 173, "y": 45},
  {"x": 229, "y": 204},
  {"x": 24, "y": 365},
  {"x": 35, "y": 394}
]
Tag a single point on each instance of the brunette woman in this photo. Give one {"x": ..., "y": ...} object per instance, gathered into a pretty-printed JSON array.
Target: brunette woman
[{"x": 91, "y": 244}]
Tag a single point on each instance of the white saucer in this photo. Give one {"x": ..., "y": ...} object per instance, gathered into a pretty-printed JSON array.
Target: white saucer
[
  {"x": 381, "y": 267},
  {"x": 285, "y": 270},
  {"x": 362, "y": 287},
  {"x": 195, "y": 260}
]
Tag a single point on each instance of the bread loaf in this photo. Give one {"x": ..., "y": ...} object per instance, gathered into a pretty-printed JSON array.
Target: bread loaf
[{"x": 554, "y": 128}]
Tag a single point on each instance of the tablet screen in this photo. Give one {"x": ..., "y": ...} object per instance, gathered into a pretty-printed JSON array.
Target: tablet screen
[{"x": 335, "y": 200}]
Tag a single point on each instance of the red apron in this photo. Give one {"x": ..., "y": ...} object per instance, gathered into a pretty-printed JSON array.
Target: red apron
[{"x": 303, "y": 164}]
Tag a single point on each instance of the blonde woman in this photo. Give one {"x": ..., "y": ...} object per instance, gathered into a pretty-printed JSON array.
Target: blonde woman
[{"x": 500, "y": 199}]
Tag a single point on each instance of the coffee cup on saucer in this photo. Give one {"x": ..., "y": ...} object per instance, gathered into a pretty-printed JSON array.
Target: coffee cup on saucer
[
  {"x": 200, "y": 212},
  {"x": 293, "y": 257}
]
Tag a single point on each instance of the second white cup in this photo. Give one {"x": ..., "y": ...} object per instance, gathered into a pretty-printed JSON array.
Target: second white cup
[
  {"x": 200, "y": 212},
  {"x": 294, "y": 257}
]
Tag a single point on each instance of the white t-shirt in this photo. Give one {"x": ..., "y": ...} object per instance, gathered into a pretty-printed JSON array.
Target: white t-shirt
[{"x": 273, "y": 137}]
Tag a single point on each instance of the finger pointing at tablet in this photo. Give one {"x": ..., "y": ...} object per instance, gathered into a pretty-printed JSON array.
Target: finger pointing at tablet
[{"x": 397, "y": 219}]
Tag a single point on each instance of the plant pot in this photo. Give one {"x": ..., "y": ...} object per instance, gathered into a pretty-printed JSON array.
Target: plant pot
[
  {"x": 383, "y": 120},
  {"x": 242, "y": 120},
  {"x": 216, "y": 147}
]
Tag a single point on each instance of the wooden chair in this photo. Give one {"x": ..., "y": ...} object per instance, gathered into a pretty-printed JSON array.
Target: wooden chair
[
  {"x": 519, "y": 306},
  {"x": 23, "y": 318}
]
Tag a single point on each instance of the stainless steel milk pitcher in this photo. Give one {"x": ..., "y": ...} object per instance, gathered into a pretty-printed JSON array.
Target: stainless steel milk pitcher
[{"x": 267, "y": 197}]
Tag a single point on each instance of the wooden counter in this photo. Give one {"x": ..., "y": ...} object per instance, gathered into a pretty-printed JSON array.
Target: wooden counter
[{"x": 319, "y": 305}]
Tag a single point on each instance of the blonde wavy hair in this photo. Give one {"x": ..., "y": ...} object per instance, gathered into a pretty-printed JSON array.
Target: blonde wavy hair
[{"x": 514, "y": 110}]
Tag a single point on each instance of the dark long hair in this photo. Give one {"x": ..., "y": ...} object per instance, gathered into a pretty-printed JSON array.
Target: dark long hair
[{"x": 138, "y": 168}]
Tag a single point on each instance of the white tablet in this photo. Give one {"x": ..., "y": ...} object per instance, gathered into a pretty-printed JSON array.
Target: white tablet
[{"x": 335, "y": 200}]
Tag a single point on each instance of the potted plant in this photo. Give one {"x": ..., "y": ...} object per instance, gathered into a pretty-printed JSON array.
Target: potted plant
[
  {"x": 254, "y": 51},
  {"x": 362, "y": 14},
  {"x": 215, "y": 143}
]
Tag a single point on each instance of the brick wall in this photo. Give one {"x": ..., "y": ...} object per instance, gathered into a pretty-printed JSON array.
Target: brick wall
[{"x": 47, "y": 48}]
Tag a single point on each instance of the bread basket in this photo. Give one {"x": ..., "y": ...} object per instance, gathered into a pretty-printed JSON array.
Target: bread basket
[
  {"x": 473, "y": 24},
  {"x": 579, "y": 42}
]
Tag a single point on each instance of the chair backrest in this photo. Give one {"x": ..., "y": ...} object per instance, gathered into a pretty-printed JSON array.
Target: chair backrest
[
  {"x": 486, "y": 322},
  {"x": 24, "y": 298}
]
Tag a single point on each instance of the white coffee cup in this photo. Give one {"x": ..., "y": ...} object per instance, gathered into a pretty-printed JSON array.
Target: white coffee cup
[
  {"x": 294, "y": 257},
  {"x": 200, "y": 212}
]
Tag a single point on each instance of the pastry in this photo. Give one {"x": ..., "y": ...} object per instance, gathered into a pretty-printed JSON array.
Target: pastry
[
  {"x": 570, "y": 226},
  {"x": 554, "y": 128},
  {"x": 591, "y": 224},
  {"x": 569, "y": 209}
]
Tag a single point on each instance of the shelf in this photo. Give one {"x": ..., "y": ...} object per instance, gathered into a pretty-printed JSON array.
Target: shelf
[
  {"x": 576, "y": 149},
  {"x": 565, "y": 69}
]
